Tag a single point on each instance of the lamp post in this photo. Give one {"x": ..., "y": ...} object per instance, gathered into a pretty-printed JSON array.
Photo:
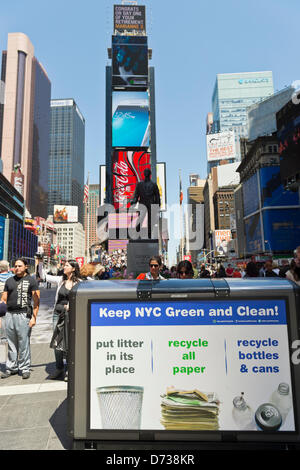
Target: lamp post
[{"x": 267, "y": 241}]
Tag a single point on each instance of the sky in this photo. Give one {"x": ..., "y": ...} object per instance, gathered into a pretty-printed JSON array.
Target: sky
[{"x": 191, "y": 41}]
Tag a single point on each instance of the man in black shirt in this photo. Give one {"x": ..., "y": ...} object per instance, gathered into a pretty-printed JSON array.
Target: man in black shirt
[{"x": 19, "y": 291}]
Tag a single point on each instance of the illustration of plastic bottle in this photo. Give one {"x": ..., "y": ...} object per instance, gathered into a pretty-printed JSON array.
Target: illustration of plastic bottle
[
  {"x": 242, "y": 414},
  {"x": 282, "y": 399}
]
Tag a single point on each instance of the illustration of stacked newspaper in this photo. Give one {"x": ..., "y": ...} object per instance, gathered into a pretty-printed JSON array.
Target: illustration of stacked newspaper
[{"x": 189, "y": 410}]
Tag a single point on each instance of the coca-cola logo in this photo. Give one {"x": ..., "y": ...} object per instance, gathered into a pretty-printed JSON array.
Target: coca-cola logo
[{"x": 121, "y": 189}]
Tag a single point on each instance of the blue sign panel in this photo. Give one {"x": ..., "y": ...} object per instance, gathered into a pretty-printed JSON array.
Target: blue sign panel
[
  {"x": 234, "y": 312},
  {"x": 282, "y": 228},
  {"x": 272, "y": 191}
]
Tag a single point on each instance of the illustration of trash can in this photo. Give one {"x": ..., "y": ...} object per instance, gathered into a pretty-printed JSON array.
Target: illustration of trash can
[{"x": 120, "y": 406}]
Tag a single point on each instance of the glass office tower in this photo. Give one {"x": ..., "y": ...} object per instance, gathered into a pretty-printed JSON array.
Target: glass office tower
[
  {"x": 233, "y": 93},
  {"x": 66, "y": 162},
  {"x": 25, "y": 122}
]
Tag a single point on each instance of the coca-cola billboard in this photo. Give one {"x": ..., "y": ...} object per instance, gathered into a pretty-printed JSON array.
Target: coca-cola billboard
[{"x": 127, "y": 169}]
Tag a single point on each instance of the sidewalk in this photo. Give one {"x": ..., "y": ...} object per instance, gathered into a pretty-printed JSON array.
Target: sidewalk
[{"x": 33, "y": 412}]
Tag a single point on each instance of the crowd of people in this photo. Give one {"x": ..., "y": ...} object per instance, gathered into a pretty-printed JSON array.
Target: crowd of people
[{"x": 20, "y": 296}]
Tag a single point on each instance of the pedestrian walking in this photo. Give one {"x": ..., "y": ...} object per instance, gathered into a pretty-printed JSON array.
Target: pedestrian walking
[
  {"x": 87, "y": 272},
  {"x": 268, "y": 270},
  {"x": 284, "y": 268},
  {"x": 251, "y": 270},
  {"x": 293, "y": 274},
  {"x": 19, "y": 292},
  {"x": 154, "y": 274},
  {"x": 204, "y": 273},
  {"x": 185, "y": 270},
  {"x": 237, "y": 272},
  {"x": 59, "y": 341},
  {"x": 229, "y": 271}
]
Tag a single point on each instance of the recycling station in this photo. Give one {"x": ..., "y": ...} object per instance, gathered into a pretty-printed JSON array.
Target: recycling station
[{"x": 184, "y": 364}]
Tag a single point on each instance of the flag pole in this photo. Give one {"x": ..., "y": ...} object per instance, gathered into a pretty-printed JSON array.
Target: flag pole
[
  {"x": 88, "y": 221},
  {"x": 180, "y": 201},
  {"x": 87, "y": 231}
]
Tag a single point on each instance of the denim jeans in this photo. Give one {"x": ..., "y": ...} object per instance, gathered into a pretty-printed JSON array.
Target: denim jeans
[
  {"x": 59, "y": 355},
  {"x": 18, "y": 338}
]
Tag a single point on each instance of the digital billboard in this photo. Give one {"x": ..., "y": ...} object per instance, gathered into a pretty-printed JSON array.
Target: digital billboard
[
  {"x": 129, "y": 61},
  {"x": 208, "y": 365},
  {"x": 130, "y": 119},
  {"x": 220, "y": 146},
  {"x": 288, "y": 135},
  {"x": 127, "y": 170},
  {"x": 161, "y": 183},
  {"x": 221, "y": 239},
  {"x": 281, "y": 229},
  {"x": 130, "y": 18},
  {"x": 272, "y": 191},
  {"x": 65, "y": 214}
]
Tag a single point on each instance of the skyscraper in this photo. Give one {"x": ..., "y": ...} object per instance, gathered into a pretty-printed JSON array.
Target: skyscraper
[
  {"x": 233, "y": 93},
  {"x": 66, "y": 161},
  {"x": 90, "y": 216},
  {"x": 25, "y": 121}
]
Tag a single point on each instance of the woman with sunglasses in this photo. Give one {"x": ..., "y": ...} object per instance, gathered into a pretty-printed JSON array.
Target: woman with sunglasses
[
  {"x": 153, "y": 274},
  {"x": 185, "y": 270}
]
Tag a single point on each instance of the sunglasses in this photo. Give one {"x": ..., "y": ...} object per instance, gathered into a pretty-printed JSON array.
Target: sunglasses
[
  {"x": 183, "y": 273},
  {"x": 154, "y": 265}
]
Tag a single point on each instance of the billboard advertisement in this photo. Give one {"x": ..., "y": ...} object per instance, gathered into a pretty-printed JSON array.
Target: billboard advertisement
[
  {"x": 161, "y": 183},
  {"x": 190, "y": 365},
  {"x": 130, "y": 18},
  {"x": 127, "y": 170},
  {"x": 221, "y": 239},
  {"x": 130, "y": 119},
  {"x": 288, "y": 135},
  {"x": 281, "y": 229},
  {"x": 272, "y": 191},
  {"x": 65, "y": 214},
  {"x": 129, "y": 61},
  {"x": 253, "y": 234},
  {"x": 220, "y": 146}
]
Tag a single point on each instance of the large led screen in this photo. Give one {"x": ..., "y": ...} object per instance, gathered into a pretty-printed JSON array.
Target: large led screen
[
  {"x": 65, "y": 214},
  {"x": 130, "y": 119},
  {"x": 281, "y": 229},
  {"x": 127, "y": 169},
  {"x": 129, "y": 61},
  {"x": 130, "y": 18},
  {"x": 272, "y": 191}
]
